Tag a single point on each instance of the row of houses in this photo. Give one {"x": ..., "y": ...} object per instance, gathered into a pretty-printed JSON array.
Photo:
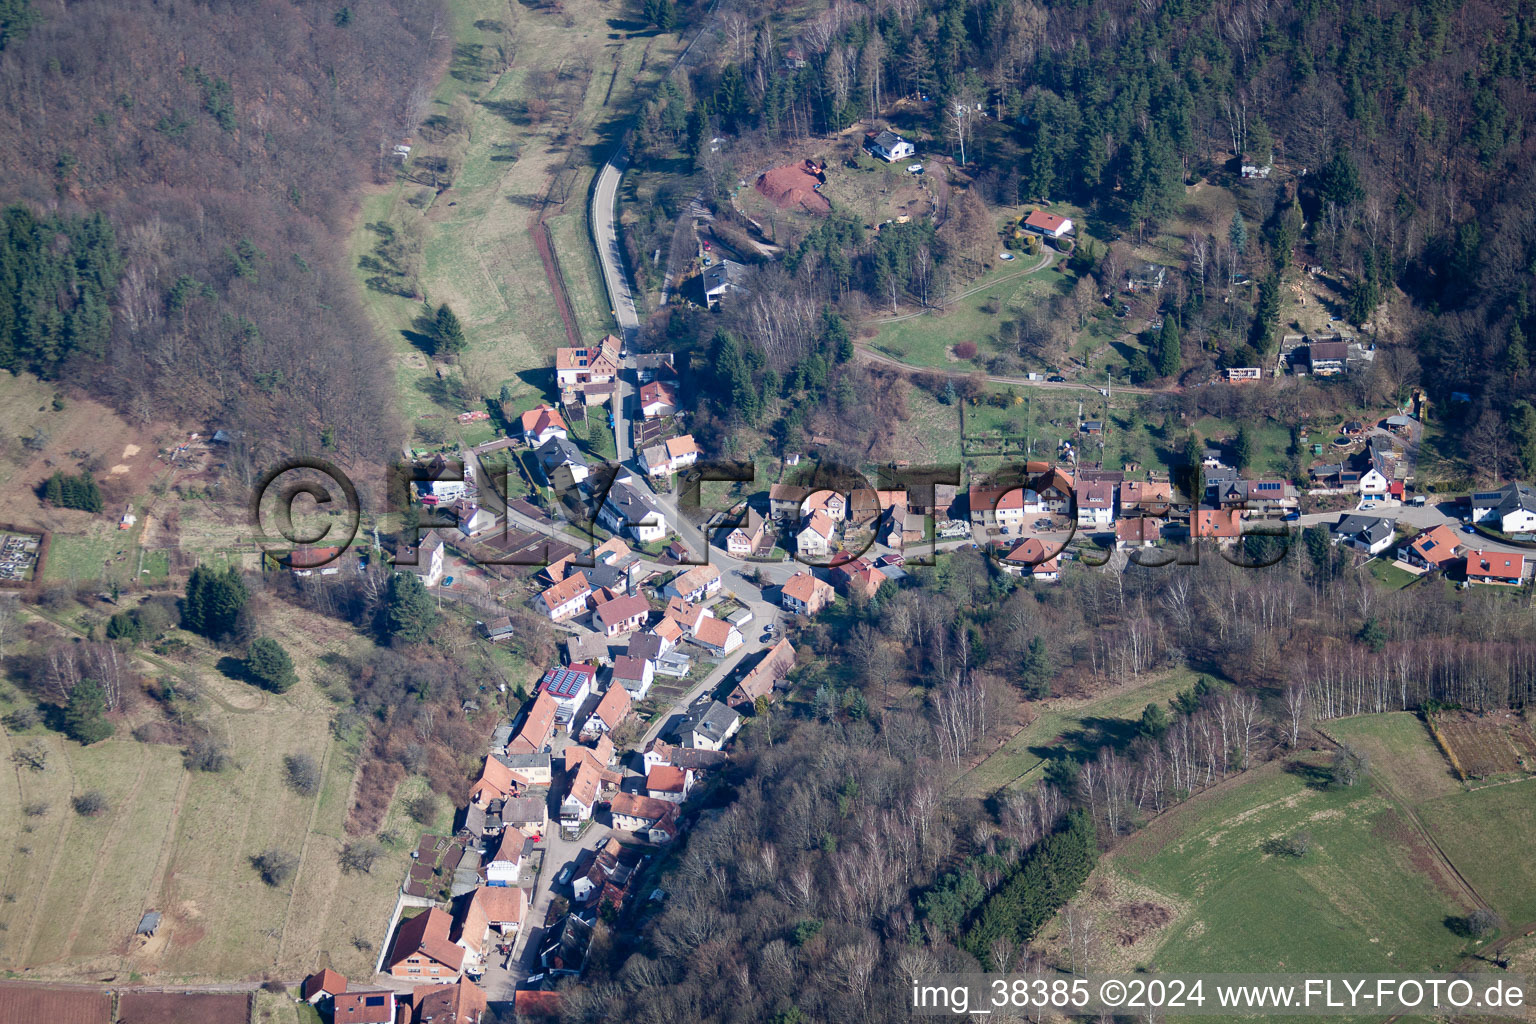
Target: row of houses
[{"x": 1436, "y": 549}]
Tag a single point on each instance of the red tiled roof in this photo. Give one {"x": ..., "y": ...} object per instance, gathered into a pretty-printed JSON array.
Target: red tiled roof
[
  {"x": 426, "y": 934},
  {"x": 1042, "y": 221},
  {"x": 324, "y": 980}
]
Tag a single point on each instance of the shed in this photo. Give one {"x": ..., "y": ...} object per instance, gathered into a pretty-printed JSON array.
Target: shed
[{"x": 148, "y": 923}]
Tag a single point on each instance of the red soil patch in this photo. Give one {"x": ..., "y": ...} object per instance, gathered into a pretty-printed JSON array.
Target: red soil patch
[
  {"x": 36, "y": 1003},
  {"x": 794, "y": 185},
  {"x": 184, "y": 1008}
]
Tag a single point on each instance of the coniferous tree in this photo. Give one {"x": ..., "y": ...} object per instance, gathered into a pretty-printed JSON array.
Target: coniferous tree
[
  {"x": 269, "y": 665},
  {"x": 447, "y": 333},
  {"x": 85, "y": 716},
  {"x": 409, "y": 617},
  {"x": 1169, "y": 351}
]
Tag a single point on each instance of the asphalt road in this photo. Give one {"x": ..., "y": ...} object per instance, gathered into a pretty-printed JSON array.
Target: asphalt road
[{"x": 605, "y": 236}]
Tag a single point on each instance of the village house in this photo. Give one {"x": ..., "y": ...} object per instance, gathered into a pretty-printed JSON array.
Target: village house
[
  {"x": 651, "y": 366},
  {"x": 657, "y": 399},
  {"x": 665, "y": 782},
  {"x": 659, "y": 752},
  {"x": 464, "y": 1003},
  {"x": 566, "y": 947},
  {"x": 473, "y": 520},
  {"x": 830, "y": 503},
  {"x": 566, "y": 599},
  {"x": 364, "y": 1006},
  {"x": 535, "y": 768},
  {"x": 1096, "y": 505},
  {"x": 445, "y": 481},
  {"x": 323, "y": 984},
  {"x": 712, "y": 729},
  {"x": 1050, "y": 225},
  {"x": 568, "y": 687},
  {"x": 538, "y": 726},
  {"x": 1145, "y": 496},
  {"x": 754, "y": 537},
  {"x": 506, "y": 865},
  {"x": 621, "y": 615},
  {"x": 498, "y": 908},
  {"x": 1137, "y": 532},
  {"x": 610, "y": 713},
  {"x": 1001, "y": 508},
  {"x": 633, "y": 674},
  {"x": 1327, "y": 358},
  {"x": 526, "y": 814},
  {"x": 1030, "y": 557},
  {"x": 596, "y": 365},
  {"x": 717, "y": 636},
  {"x": 760, "y": 681},
  {"x": 563, "y": 464},
  {"x": 635, "y": 813},
  {"x": 497, "y": 781},
  {"x": 670, "y": 456},
  {"x": 815, "y": 538},
  {"x": 1436, "y": 548},
  {"x": 722, "y": 278},
  {"x": 497, "y": 629},
  {"x": 696, "y": 584},
  {"x": 1370, "y": 534},
  {"x": 426, "y": 559},
  {"x": 1223, "y": 525},
  {"x": 582, "y": 798},
  {"x": 307, "y": 561},
  {"x": 1512, "y": 508},
  {"x": 857, "y": 577},
  {"x": 1376, "y": 481},
  {"x": 631, "y": 508},
  {"x": 891, "y": 147},
  {"x": 540, "y": 424},
  {"x": 1496, "y": 568},
  {"x": 804, "y": 594},
  {"x": 422, "y": 950},
  {"x": 785, "y": 500},
  {"x": 1238, "y": 374}
]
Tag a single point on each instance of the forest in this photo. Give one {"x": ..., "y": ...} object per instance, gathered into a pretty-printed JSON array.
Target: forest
[
  {"x": 1403, "y": 129},
  {"x": 182, "y": 178}
]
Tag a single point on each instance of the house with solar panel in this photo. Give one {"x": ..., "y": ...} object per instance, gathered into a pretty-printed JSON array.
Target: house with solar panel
[{"x": 569, "y": 688}]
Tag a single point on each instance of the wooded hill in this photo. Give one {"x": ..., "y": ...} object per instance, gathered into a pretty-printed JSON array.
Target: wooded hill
[{"x": 194, "y": 163}]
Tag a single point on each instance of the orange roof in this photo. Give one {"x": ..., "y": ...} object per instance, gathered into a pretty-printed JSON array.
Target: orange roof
[
  {"x": 802, "y": 586},
  {"x": 584, "y": 786},
  {"x": 1138, "y": 529},
  {"x": 567, "y": 589},
  {"x": 677, "y": 447},
  {"x": 712, "y": 631},
  {"x": 495, "y": 776},
  {"x": 1219, "y": 523},
  {"x": 1436, "y": 545},
  {"x": 665, "y": 779},
  {"x": 1029, "y": 551},
  {"x": 622, "y": 609},
  {"x": 1135, "y": 492},
  {"x": 500, "y": 903},
  {"x": 613, "y": 546},
  {"x": 614, "y": 707},
  {"x": 510, "y": 849},
  {"x": 822, "y": 499},
  {"x": 669, "y": 629},
  {"x": 536, "y": 421},
  {"x": 773, "y": 666},
  {"x": 324, "y": 980},
  {"x": 820, "y": 524},
  {"x": 1495, "y": 565},
  {"x": 636, "y": 805},
  {"x": 1042, "y": 221},
  {"x": 536, "y": 727},
  {"x": 685, "y": 613},
  {"x": 658, "y": 391},
  {"x": 426, "y": 934},
  {"x": 464, "y": 1003}
]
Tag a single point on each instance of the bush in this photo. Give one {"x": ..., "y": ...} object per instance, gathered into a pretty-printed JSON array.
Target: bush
[
  {"x": 90, "y": 803},
  {"x": 360, "y": 855},
  {"x": 206, "y": 754},
  {"x": 22, "y": 719},
  {"x": 1479, "y": 924},
  {"x": 422, "y": 809},
  {"x": 36, "y": 809},
  {"x": 275, "y": 866},
  {"x": 965, "y": 350},
  {"x": 302, "y": 773}
]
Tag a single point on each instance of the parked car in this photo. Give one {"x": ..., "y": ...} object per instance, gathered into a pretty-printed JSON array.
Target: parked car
[
  {"x": 1291, "y": 516},
  {"x": 1056, "y": 378},
  {"x": 1469, "y": 528}
]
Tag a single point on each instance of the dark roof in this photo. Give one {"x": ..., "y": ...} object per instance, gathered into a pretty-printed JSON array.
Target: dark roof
[
  {"x": 558, "y": 450},
  {"x": 645, "y": 645},
  {"x": 715, "y": 721},
  {"x": 633, "y": 502}
]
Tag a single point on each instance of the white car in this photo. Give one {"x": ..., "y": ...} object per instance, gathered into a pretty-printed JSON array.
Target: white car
[{"x": 915, "y": 168}]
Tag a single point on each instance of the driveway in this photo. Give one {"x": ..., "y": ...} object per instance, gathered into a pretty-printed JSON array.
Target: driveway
[{"x": 1420, "y": 518}]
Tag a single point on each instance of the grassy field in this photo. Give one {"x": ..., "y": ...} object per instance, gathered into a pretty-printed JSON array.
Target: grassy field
[
  {"x": 1202, "y": 888},
  {"x": 1005, "y": 291},
  {"x": 1069, "y": 727},
  {"x": 477, "y": 236},
  {"x": 1359, "y": 900},
  {"x": 180, "y": 841}
]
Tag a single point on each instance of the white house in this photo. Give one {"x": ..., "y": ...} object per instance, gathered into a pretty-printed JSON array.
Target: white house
[
  {"x": 1096, "y": 505},
  {"x": 695, "y": 585},
  {"x": 713, "y": 729},
  {"x": 665, "y": 782},
  {"x": 830, "y": 502},
  {"x": 565, "y": 599},
  {"x": 631, "y": 507},
  {"x": 670, "y": 456},
  {"x": 1051, "y": 225},
  {"x": 891, "y": 147},
  {"x": 505, "y": 867},
  {"x": 541, "y": 424},
  {"x": 1512, "y": 507},
  {"x": 815, "y": 538},
  {"x": 569, "y": 688},
  {"x": 717, "y": 636},
  {"x": 427, "y": 556},
  {"x": 1371, "y": 534}
]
